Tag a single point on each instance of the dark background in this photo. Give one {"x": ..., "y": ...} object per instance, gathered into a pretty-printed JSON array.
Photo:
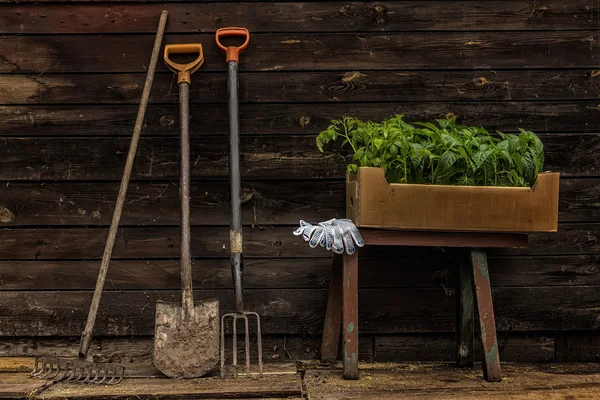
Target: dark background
[{"x": 71, "y": 74}]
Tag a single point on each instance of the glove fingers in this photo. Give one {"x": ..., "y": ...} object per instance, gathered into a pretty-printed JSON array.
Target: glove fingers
[
  {"x": 349, "y": 225},
  {"x": 303, "y": 226},
  {"x": 328, "y": 237},
  {"x": 348, "y": 242},
  {"x": 316, "y": 238},
  {"x": 308, "y": 231},
  {"x": 360, "y": 242},
  {"x": 338, "y": 244}
]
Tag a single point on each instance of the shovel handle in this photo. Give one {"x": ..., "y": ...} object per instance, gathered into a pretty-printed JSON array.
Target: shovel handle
[
  {"x": 232, "y": 52},
  {"x": 184, "y": 70}
]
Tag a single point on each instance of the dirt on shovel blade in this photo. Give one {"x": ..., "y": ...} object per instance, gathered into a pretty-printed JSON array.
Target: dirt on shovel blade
[{"x": 186, "y": 349}]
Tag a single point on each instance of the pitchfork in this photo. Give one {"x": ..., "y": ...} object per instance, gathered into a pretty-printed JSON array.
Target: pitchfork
[{"x": 235, "y": 234}]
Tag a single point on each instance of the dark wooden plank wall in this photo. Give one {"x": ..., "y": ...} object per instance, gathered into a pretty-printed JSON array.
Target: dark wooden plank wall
[{"x": 71, "y": 73}]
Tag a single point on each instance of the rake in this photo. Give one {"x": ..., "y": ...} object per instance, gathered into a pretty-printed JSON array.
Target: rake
[{"x": 81, "y": 371}]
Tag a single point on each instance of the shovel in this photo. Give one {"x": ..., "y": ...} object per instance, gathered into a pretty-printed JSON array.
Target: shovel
[{"x": 186, "y": 337}]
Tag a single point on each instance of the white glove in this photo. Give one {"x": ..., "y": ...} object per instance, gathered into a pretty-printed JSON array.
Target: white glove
[{"x": 335, "y": 234}]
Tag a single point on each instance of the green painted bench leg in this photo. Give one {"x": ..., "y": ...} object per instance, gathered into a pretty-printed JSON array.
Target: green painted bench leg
[
  {"x": 333, "y": 315},
  {"x": 350, "y": 316},
  {"x": 487, "y": 325},
  {"x": 465, "y": 310}
]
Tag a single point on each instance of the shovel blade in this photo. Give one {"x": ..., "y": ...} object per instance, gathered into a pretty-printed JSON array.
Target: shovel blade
[{"x": 186, "y": 348}]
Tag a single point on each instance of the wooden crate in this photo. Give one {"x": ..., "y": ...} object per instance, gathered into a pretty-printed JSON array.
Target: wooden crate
[{"x": 372, "y": 202}]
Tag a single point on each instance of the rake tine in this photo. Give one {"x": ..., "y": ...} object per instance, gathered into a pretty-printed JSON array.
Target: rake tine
[
  {"x": 118, "y": 376},
  {"x": 80, "y": 376},
  {"x": 101, "y": 373},
  {"x": 49, "y": 368},
  {"x": 43, "y": 368},
  {"x": 90, "y": 374},
  {"x": 247, "y": 338},
  {"x": 51, "y": 375},
  {"x": 36, "y": 365}
]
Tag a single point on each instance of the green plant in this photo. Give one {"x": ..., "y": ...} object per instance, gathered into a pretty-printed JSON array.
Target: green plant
[{"x": 440, "y": 153}]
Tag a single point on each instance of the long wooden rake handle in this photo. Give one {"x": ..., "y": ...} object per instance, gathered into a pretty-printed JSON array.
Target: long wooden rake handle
[{"x": 86, "y": 336}]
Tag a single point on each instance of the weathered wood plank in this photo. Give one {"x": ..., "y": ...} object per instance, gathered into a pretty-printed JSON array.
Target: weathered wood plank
[
  {"x": 86, "y": 243},
  {"x": 163, "y": 242},
  {"x": 301, "y": 311},
  {"x": 283, "y": 157},
  {"x": 157, "y": 203},
  {"x": 213, "y": 241},
  {"x": 264, "y": 202},
  {"x": 283, "y": 87},
  {"x": 300, "y": 52},
  {"x": 439, "y": 382},
  {"x": 269, "y": 386},
  {"x": 578, "y": 346},
  {"x": 300, "y": 16},
  {"x": 97, "y": 158},
  {"x": 18, "y": 386},
  {"x": 162, "y": 274},
  {"x": 140, "y": 349},
  {"x": 513, "y": 348},
  {"x": 465, "y": 312},
  {"x": 292, "y": 119},
  {"x": 402, "y": 271}
]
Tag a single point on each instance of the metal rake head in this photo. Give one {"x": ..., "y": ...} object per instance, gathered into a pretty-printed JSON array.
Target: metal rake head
[
  {"x": 234, "y": 317},
  {"x": 53, "y": 368}
]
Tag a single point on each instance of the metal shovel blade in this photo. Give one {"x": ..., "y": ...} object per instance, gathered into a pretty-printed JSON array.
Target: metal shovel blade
[{"x": 186, "y": 348}]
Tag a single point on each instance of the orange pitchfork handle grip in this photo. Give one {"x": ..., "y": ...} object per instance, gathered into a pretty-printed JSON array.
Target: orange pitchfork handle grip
[
  {"x": 232, "y": 52},
  {"x": 184, "y": 70}
]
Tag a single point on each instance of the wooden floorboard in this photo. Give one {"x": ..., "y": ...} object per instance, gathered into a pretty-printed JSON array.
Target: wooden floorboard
[
  {"x": 271, "y": 386},
  {"x": 319, "y": 381},
  {"x": 436, "y": 381}
]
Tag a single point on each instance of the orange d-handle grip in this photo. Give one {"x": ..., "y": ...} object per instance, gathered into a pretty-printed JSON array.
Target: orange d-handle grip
[
  {"x": 232, "y": 53},
  {"x": 184, "y": 70}
]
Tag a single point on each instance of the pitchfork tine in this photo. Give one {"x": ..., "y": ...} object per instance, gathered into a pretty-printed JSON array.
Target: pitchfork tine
[
  {"x": 247, "y": 337},
  {"x": 235, "y": 345}
]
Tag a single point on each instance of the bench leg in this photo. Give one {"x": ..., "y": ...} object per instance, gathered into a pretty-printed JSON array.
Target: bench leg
[
  {"x": 465, "y": 310},
  {"x": 487, "y": 325},
  {"x": 333, "y": 315},
  {"x": 350, "y": 316}
]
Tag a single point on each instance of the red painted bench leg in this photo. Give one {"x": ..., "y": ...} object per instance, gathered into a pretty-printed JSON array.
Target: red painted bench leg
[
  {"x": 333, "y": 315},
  {"x": 350, "y": 316},
  {"x": 487, "y": 325},
  {"x": 465, "y": 310}
]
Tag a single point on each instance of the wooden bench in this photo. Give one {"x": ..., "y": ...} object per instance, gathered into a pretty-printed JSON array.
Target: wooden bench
[{"x": 472, "y": 290}]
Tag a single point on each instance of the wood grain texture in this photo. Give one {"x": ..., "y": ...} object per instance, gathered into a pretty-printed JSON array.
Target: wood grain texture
[
  {"x": 439, "y": 382},
  {"x": 292, "y": 119},
  {"x": 140, "y": 349},
  {"x": 269, "y": 386},
  {"x": 578, "y": 346},
  {"x": 263, "y": 203},
  {"x": 513, "y": 348},
  {"x": 301, "y": 311},
  {"x": 210, "y": 241},
  {"x": 157, "y": 203},
  {"x": 290, "y": 87},
  {"x": 284, "y": 157},
  {"x": 414, "y": 271},
  {"x": 299, "y": 16},
  {"x": 302, "y": 52}
]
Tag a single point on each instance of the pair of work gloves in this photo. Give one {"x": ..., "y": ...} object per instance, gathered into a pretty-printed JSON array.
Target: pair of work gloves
[{"x": 335, "y": 234}]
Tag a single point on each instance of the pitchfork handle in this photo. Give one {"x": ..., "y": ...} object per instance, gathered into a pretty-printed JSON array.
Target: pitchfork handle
[{"x": 86, "y": 336}]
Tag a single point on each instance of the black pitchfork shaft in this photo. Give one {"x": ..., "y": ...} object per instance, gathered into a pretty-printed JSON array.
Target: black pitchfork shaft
[{"x": 235, "y": 232}]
